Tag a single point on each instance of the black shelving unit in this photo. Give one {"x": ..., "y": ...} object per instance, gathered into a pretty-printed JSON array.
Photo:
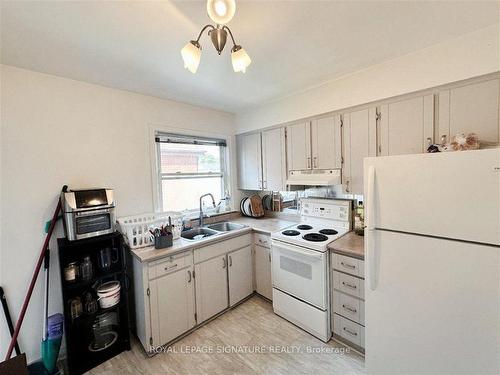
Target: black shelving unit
[{"x": 79, "y": 331}]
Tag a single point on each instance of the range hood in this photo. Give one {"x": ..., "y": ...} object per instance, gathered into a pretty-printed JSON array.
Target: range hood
[{"x": 315, "y": 177}]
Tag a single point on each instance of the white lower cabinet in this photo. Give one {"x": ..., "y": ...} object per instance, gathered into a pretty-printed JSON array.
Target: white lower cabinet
[
  {"x": 173, "y": 296},
  {"x": 240, "y": 274},
  {"x": 211, "y": 287},
  {"x": 263, "y": 282},
  {"x": 348, "y": 305}
]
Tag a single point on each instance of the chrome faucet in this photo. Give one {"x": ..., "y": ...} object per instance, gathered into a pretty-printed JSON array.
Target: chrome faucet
[{"x": 201, "y": 206}]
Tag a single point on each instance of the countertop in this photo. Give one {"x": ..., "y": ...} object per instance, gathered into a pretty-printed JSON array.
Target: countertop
[
  {"x": 350, "y": 244},
  {"x": 265, "y": 225}
]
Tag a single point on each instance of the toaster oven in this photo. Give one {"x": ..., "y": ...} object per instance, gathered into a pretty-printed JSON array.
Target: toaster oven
[{"x": 88, "y": 213}]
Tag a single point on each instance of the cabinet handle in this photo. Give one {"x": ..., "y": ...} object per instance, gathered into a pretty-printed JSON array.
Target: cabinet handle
[
  {"x": 348, "y": 265},
  {"x": 347, "y": 186},
  {"x": 315, "y": 162},
  {"x": 308, "y": 162},
  {"x": 429, "y": 141},
  {"x": 269, "y": 256},
  {"x": 224, "y": 262},
  {"x": 230, "y": 261},
  {"x": 443, "y": 139},
  {"x": 350, "y": 332},
  {"x": 348, "y": 308},
  {"x": 189, "y": 273},
  {"x": 170, "y": 267},
  {"x": 349, "y": 285}
]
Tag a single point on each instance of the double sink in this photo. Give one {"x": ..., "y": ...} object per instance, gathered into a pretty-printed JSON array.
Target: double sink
[{"x": 197, "y": 234}]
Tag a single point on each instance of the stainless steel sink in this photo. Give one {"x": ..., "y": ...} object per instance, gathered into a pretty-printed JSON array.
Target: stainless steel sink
[
  {"x": 197, "y": 234},
  {"x": 225, "y": 226}
]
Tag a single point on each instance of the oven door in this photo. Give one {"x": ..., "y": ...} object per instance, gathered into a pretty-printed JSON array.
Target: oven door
[
  {"x": 300, "y": 272},
  {"x": 86, "y": 224}
]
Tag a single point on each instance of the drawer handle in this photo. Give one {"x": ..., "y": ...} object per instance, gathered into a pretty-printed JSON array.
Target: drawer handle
[
  {"x": 348, "y": 265},
  {"x": 189, "y": 273},
  {"x": 262, "y": 242},
  {"x": 350, "y": 332},
  {"x": 348, "y": 308},
  {"x": 170, "y": 267},
  {"x": 349, "y": 285}
]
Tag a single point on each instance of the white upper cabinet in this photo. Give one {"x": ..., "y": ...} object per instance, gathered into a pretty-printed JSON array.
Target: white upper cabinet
[
  {"x": 470, "y": 109},
  {"x": 314, "y": 144},
  {"x": 359, "y": 141},
  {"x": 249, "y": 161},
  {"x": 406, "y": 126},
  {"x": 273, "y": 159},
  {"x": 326, "y": 143},
  {"x": 299, "y": 146}
]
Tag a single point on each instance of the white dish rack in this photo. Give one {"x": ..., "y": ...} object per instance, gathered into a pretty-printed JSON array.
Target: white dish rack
[{"x": 136, "y": 228}]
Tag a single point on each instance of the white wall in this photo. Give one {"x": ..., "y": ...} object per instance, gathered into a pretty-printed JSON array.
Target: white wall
[
  {"x": 57, "y": 131},
  {"x": 468, "y": 56}
]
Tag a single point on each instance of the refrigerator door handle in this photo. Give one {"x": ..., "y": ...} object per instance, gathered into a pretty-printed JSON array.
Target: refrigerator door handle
[
  {"x": 370, "y": 219},
  {"x": 371, "y": 250}
]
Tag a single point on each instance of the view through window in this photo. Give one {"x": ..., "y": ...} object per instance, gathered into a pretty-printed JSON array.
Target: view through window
[{"x": 188, "y": 168}]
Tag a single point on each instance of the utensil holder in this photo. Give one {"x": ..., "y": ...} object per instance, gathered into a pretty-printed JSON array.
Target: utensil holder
[{"x": 162, "y": 242}]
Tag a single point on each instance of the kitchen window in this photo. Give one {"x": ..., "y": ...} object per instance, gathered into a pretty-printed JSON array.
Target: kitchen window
[{"x": 188, "y": 167}]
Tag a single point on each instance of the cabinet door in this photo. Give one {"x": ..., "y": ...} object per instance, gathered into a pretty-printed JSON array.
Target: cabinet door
[
  {"x": 263, "y": 281},
  {"x": 250, "y": 162},
  {"x": 211, "y": 287},
  {"x": 406, "y": 126},
  {"x": 326, "y": 143},
  {"x": 240, "y": 274},
  {"x": 470, "y": 109},
  {"x": 360, "y": 141},
  {"x": 273, "y": 159},
  {"x": 299, "y": 146},
  {"x": 174, "y": 297}
]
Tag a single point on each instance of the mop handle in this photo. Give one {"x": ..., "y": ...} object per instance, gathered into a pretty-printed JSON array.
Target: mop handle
[
  {"x": 46, "y": 266},
  {"x": 33, "y": 279}
]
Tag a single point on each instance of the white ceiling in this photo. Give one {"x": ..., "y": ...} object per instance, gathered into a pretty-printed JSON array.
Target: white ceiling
[{"x": 293, "y": 45}]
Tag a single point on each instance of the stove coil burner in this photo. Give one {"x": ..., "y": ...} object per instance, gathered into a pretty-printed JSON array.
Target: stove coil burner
[
  {"x": 291, "y": 232},
  {"x": 328, "y": 232},
  {"x": 304, "y": 227},
  {"x": 315, "y": 237}
]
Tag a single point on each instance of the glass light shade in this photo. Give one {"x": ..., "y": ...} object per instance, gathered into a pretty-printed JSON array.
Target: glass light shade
[
  {"x": 240, "y": 60},
  {"x": 191, "y": 54},
  {"x": 221, "y": 11}
]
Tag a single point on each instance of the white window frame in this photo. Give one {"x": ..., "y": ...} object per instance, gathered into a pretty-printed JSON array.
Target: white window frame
[{"x": 154, "y": 130}]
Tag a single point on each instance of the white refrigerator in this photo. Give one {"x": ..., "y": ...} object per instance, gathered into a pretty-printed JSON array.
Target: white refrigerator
[{"x": 432, "y": 258}]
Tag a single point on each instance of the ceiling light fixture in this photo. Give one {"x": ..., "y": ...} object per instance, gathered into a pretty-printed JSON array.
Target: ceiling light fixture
[{"x": 221, "y": 12}]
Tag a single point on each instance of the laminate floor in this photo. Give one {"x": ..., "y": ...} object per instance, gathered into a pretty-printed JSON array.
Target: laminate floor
[{"x": 249, "y": 339}]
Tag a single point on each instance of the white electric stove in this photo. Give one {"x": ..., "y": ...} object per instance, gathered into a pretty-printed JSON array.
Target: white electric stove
[{"x": 300, "y": 264}]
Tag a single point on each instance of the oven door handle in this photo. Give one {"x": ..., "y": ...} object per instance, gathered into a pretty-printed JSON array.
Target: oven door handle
[{"x": 296, "y": 250}]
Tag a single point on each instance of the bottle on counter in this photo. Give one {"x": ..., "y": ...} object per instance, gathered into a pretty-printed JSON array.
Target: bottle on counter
[{"x": 359, "y": 219}]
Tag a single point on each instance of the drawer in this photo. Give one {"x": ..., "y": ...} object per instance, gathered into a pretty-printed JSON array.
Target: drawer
[
  {"x": 169, "y": 264},
  {"x": 348, "y": 265},
  {"x": 349, "y": 307},
  {"x": 349, "y": 330},
  {"x": 262, "y": 239},
  {"x": 220, "y": 248},
  {"x": 349, "y": 284}
]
